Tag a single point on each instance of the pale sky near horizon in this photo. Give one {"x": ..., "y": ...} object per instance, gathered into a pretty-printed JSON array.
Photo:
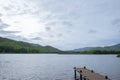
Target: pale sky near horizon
[{"x": 64, "y": 24}]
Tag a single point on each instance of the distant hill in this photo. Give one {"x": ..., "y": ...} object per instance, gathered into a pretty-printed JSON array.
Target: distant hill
[
  {"x": 113, "y": 47},
  {"x": 12, "y": 46}
]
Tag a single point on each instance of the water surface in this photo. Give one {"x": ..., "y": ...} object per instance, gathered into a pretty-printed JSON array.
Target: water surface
[{"x": 54, "y": 66}]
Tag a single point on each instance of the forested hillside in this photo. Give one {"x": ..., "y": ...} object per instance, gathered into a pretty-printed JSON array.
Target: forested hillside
[{"x": 12, "y": 46}]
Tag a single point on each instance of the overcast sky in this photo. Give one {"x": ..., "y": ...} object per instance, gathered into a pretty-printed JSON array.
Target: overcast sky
[{"x": 64, "y": 24}]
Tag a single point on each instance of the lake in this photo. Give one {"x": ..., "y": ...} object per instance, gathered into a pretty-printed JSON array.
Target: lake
[{"x": 55, "y": 66}]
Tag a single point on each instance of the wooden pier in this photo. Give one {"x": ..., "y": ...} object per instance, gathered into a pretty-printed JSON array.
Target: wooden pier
[{"x": 86, "y": 74}]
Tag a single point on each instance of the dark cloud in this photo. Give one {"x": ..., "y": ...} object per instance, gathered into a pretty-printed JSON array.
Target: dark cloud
[
  {"x": 67, "y": 23},
  {"x": 4, "y": 32},
  {"x": 8, "y": 32},
  {"x": 92, "y": 31},
  {"x": 37, "y": 38},
  {"x": 48, "y": 28}
]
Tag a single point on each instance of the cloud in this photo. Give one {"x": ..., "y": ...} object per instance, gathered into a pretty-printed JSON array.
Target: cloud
[
  {"x": 60, "y": 35},
  {"x": 69, "y": 24},
  {"x": 4, "y": 32},
  {"x": 37, "y": 38},
  {"x": 48, "y": 28},
  {"x": 8, "y": 7},
  {"x": 0, "y": 14},
  {"x": 51, "y": 36},
  {"x": 92, "y": 31},
  {"x": 12, "y": 8},
  {"x": 8, "y": 32},
  {"x": 3, "y": 25},
  {"x": 116, "y": 22}
]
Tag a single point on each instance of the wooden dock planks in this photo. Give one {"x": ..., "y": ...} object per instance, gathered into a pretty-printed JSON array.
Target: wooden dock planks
[{"x": 86, "y": 74}]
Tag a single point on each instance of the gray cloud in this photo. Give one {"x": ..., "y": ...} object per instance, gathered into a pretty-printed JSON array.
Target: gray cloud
[
  {"x": 8, "y": 7},
  {"x": 116, "y": 22},
  {"x": 67, "y": 23},
  {"x": 0, "y": 14},
  {"x": 5, "y": 33},
  {"x": 53, "y": 23},
  {"x": 22, "y": 7},
  {"x": 37, "y": 38},
  {"x": 3, "y": 25},
  {"x": 51, "y": 36},
  {"x": 8, "y": 32},
  {"x": 48, "y": 28},
  {"x": 92, "y": 31},
  {"x": 60, "y": 35}
]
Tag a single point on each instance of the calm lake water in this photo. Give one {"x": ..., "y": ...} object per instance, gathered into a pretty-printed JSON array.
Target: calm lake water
[{"x": 55, "y": 66}]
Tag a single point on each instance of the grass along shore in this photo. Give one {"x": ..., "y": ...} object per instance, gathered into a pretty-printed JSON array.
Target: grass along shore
[{"x": 118, "y": 55}]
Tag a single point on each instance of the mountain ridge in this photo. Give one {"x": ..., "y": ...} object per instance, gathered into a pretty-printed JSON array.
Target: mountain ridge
[{"x": 112, "y": 47}]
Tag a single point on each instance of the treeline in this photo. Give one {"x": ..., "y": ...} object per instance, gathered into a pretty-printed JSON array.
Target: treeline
[
  {"x": 101, "y": 52},
  {"x": 9, "y": 49},
  {"x": 94, "y": 52}
]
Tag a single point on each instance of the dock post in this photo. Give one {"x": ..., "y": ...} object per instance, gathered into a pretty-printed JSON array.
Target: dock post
[
  {"x": 75, "y": 72},
  {"x": 84, "y": 67},
  {"x": 85, "y": 78},
  {"x": 80, "y": 77},
  {"x": 106, "y": 77}
]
